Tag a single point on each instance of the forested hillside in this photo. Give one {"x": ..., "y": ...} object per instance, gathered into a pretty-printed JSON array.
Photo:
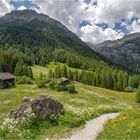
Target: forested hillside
[{"x": 28, "y": 38}]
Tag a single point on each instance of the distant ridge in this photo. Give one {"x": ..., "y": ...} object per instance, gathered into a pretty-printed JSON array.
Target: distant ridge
[{"x": 125, "y": 51}]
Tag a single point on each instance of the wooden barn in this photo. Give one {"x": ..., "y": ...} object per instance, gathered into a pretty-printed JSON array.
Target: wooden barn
[{"x": 6, "y": 80}]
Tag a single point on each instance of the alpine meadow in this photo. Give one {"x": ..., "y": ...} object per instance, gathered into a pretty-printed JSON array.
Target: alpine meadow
[{"x": 69, "y": 73}]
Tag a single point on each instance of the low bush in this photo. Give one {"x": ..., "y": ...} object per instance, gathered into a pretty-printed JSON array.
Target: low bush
[
  {"x": 41, "y": 84},
  {"x": 129, "y": 89},
  {"x": 135, "y": 90},
  {"x": 52, "y": 84},
  {"x": 23, "y": 80},
  {"x": 71, "y": 88},
  {"x": 60, "y": 88}
]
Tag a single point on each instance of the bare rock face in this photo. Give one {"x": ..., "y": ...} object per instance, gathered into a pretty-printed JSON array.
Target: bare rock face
[
  {"x": 125, "y": 51},
  {"x": 42, "y": 106}
]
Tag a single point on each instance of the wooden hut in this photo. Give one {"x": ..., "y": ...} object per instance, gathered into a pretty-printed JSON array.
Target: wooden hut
[
  {"x": 63, "y": 81},
  {"x": 6, "y": 80}
]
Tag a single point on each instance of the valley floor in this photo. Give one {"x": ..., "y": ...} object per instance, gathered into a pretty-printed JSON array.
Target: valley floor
[{"x": 89, "y": 103}]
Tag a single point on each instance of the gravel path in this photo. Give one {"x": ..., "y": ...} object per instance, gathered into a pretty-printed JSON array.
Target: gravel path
[{"x": 92, "y": 128}]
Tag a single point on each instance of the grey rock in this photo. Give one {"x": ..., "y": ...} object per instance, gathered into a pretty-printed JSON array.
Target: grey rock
[{"x": 42, "y": 106}]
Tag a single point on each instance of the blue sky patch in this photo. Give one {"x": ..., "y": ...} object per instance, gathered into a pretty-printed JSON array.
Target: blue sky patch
[
  {"x": 103, "y": 25},
  {"x": 84, "y": 23},
  {"x": 25, "y": 3}
]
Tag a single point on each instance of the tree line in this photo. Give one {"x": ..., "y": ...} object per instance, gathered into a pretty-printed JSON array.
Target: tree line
[
  {"x": 106, "y": 78},
  {"x": 15, "y": 62},
  {"x": 94, "y": 71}
]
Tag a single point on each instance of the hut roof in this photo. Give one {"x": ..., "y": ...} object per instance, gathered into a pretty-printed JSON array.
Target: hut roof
[
  {"x": 6, "y": 76},
  {"x": 63, "y": 80}
]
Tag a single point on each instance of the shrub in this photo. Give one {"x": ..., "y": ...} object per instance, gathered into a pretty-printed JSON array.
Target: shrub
[
  {"x": 61, "y": 88},
  {"x": 71, "y": 88},
  {"x": 41, "y": 84},
  {"x": 138, "y": 95},
  {"x": 135, "y": 90},
  {"x": 23, "y": 80},
  {"x": 52, "y": 84},
  {"x": 129, "y": 89}
]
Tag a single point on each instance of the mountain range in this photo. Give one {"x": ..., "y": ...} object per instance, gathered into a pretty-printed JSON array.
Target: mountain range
[
  {"x": 29, "y": 30},
  {"x": 32, "y": 29},
  {"x": 125, "y": 51}
]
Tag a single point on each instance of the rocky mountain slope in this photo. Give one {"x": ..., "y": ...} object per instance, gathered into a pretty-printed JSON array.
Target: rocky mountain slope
[{"x": 125, "y": 52}]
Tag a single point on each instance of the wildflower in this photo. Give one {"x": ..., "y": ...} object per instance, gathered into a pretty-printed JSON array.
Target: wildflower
[{"x": 132, "y": 125}]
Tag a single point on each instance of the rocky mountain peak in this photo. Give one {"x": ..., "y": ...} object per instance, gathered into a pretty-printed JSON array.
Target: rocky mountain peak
[{"x": 25, "y": 15}]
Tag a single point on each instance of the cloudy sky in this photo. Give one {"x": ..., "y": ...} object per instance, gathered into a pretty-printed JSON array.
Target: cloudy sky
[{"x": 92, "y": 20}]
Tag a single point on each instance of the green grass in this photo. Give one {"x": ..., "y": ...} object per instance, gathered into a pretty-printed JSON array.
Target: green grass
[
  {"x": 125, "y": 126},
  {"x": 83, "y": 106},
  {"x": 37, "y": 70},
  {"x": 87, "y": 104}
]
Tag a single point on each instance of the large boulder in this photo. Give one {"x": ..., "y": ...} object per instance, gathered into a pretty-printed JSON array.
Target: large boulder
[
  {"x": 41, "y": 106},
  {"x": 44, "y": 106}
]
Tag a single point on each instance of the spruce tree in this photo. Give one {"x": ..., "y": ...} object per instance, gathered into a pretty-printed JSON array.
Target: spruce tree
[
  {"x": 115, "y": 79},
  {"x": 103, "y": 79},
  {"x": 109, "y": 79},
  {"x": 138, "y": 94},
  {"x": 17, "y": 71},
  {"x": 24, "y": 70},
  {"x": 134, "y": 81},
  {"x": 120, "y": 81},
  {"x": 64, "y": 71},
  {"x": 93, "y": 79},
  {"x": 41, "y": 76},
  {"x": 30, "y": 73},
  {"x": 50, "y": 74},
  {"x": 125, "y": 80}
]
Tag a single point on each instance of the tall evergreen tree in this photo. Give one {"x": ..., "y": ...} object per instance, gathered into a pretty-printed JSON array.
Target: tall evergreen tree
[
  {"x": 41, "y": 76},
  {"x": 138, "y": 95},
  {"x": 30, "y": 73},
  {"x": 64, "y": 71},
  {"x": 17, "y": 71},
  {"x": 50, "y": 74},
  {"x": 120, "y": 81},
  {"x": 125, "y": 80}
]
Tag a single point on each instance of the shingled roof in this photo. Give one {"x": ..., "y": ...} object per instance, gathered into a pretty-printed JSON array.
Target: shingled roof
[{"x": 6, "y": 76}]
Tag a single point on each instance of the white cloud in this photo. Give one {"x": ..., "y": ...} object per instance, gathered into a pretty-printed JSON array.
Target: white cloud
[
  {"x": 68, "y": 12},
  {"x": 21, "y": 8},
  {"x": 96, "y": 34},
  {"x": 71, "y": 13},
  {"x": 111, "y": 11},
  {"x": 5, "y": 7},
  {"x": 135, "y": 27}
]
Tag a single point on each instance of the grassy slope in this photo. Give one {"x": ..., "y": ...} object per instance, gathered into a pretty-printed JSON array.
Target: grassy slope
[
  {"x": 88, "y": 103},
  {"x": 125, "y": 126},
  {"x": 37, "y": 70}
]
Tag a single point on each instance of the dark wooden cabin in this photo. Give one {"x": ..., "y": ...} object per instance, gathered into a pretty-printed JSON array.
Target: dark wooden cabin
[
  {"x": 6, "y": 80},
  {"x": 63, "y": 81}
]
